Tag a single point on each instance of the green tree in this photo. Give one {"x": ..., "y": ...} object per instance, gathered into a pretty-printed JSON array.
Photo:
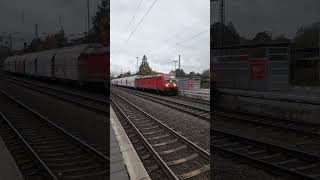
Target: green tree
[
  {"x": 101, "y": 23},
  {"x": 127, "y": 74},
  {"x": 191, "y": 75},
  {"x": 35, "y": 44},
  {"x": 262, "y": 37},
  {"x": 307, "y": 37},
  {"x": 144, "y": 68},
  {"x": 230, "y": 35},
  {"x": 206, "y": 73},
  {"x": 60, "y": 38},
  {"x": 205, "y": 79},
  {"x": 49, "y": 43},
  {"x": 180, "y": 73},
  {"x": 282, "y": 38}
]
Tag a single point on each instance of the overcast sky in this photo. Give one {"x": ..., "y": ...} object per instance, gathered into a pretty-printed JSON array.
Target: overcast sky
[
  {"x": 171, "y": 28},
  {"x": 277, "y": 16},
  {"x": 46, "y": 14}
]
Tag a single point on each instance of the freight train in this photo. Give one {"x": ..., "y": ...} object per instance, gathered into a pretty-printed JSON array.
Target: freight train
[
  {"x": 85, "y": 64},
  {"x": 160, "y": 83}
]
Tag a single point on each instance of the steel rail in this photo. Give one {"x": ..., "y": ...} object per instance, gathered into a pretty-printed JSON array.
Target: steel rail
[
  {"x": 98, "y": 155},
  {"x": 187, "y": 142},
  {"x": 174, "y": 105},
  {"x": 84, "y": 105},
  {"x": 240, "y": 147}
]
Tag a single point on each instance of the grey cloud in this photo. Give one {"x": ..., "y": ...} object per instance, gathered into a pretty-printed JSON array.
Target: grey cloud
[
  {"x": 278, "y": 16},
  {"x": 46, "y": 14}
]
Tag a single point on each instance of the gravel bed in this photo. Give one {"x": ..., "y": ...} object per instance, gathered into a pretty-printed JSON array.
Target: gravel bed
[
  {"x": 174, "y": 145},
  {"x": 148, "y": 163},
  {"x": 162, "y": 140},
  {"x": 173, "y": 98},
  {"x": 173, "y": 156},
  {"x": 85, "y": 92},
  {"x": 176, "y": 120},
  {"x": 86, "y": 125},
  {"x": 188, "y": 167},
  {"x": 275, "y": 136},
  {"x": 201, "y": 176},
  {"x": 224, "y": 168}
]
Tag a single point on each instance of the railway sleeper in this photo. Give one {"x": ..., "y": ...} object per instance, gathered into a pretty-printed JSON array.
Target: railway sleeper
[
  {"x": 61, "y": 153},
  {"x": 99, "y": 175},
  {"x": 195, "y": 172},
  {"x": 172, "y": 150},
  {"x": 182, "y": 160},
  {"x": 62, "y": 159}
]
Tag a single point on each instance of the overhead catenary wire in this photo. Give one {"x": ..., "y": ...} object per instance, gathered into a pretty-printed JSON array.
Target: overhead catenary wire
[
  {"x": 138, "y": 24},
  {"x": 193, "y": 37},
  {"x": 179, "y": 43},
  {"x": 134, "y": 15}
]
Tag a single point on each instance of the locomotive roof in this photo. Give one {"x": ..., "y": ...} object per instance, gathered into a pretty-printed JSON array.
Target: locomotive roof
[{"x": 155, "y": 75}]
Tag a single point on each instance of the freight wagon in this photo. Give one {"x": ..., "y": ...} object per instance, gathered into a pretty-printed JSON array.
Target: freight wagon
[{"x": 84, "y": 64}]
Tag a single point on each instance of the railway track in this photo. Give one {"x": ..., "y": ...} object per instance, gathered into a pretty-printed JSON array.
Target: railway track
[
  {"x": 91, "y": 103},
  {"x": 198, "y": 101},
  {"x": 176, "y": 156},
  {"x": 285, "y": 162},
  {"x": 193, "y": 110},
  {"x": 304, "y": 128},
  {"x": 43, "y": 150}
]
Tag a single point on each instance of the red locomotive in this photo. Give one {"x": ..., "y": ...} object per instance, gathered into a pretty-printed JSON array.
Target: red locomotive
[{"x": 161, "y": 83}]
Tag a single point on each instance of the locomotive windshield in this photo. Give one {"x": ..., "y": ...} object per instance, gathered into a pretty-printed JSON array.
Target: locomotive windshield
[{"x": 168, "y": 78}]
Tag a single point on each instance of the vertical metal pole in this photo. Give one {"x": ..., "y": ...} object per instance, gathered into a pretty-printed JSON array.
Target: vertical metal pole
[
  {"x": 10, "y": 42},
  {"x": 319, "y": 42},
  {"x": 36, "y": 32},
  {"x": 179, "y": 62},
  {"x": 220, "y": 30},
  {"x": 137, "y": 65},
  {"x": 60, "y": 22},
  {"x": 175, "y": 67},
  {"x": 22, "y": 17},
  {"x": 88, "y": 8},
  {"x": 221, "y": 12}
]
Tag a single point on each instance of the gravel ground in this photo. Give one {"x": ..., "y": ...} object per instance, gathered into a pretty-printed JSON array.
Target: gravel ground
[
  {"x": 88, "y": 126},
  {"x": 226, "y": 169},
  {"x": 173, "y": 98},
  {"x": 269, "y": 135},
  {"x": 149, "y": 163},
  {"x": 64, "y": 87},
  {"x": 177, "y": 120}
]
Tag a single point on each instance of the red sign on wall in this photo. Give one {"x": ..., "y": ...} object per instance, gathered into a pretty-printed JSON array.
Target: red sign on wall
[{"x": 258, "y": 68}]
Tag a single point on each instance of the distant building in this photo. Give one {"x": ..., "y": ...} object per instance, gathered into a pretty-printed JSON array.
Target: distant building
[{"x": 306, "y": 65}]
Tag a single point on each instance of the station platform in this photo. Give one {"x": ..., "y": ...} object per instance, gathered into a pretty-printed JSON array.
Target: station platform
[
  {"x": 125, "y": 163},
  {"x": 290, "y": 104},
  {"x": 8, "y": 167},
  {"x": 202, "y": 94}
]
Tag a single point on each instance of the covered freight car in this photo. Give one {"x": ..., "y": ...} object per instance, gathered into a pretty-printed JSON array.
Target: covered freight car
[{"x": 83, "y": 64}]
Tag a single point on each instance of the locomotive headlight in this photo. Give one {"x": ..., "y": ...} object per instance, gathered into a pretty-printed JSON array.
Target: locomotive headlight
[
  {"x": 167, "y": 85},
  {"x": 174, "y": 84}
]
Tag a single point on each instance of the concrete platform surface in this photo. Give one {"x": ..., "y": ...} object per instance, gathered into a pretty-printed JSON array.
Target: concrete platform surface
[
  {"x": 203, "y": 94},
  {"x": 8, "y": 167},
  {"x": 289, "y": 96},
  {"x": 277, "y": 104},
  {"x": 124, "y": 160}
]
